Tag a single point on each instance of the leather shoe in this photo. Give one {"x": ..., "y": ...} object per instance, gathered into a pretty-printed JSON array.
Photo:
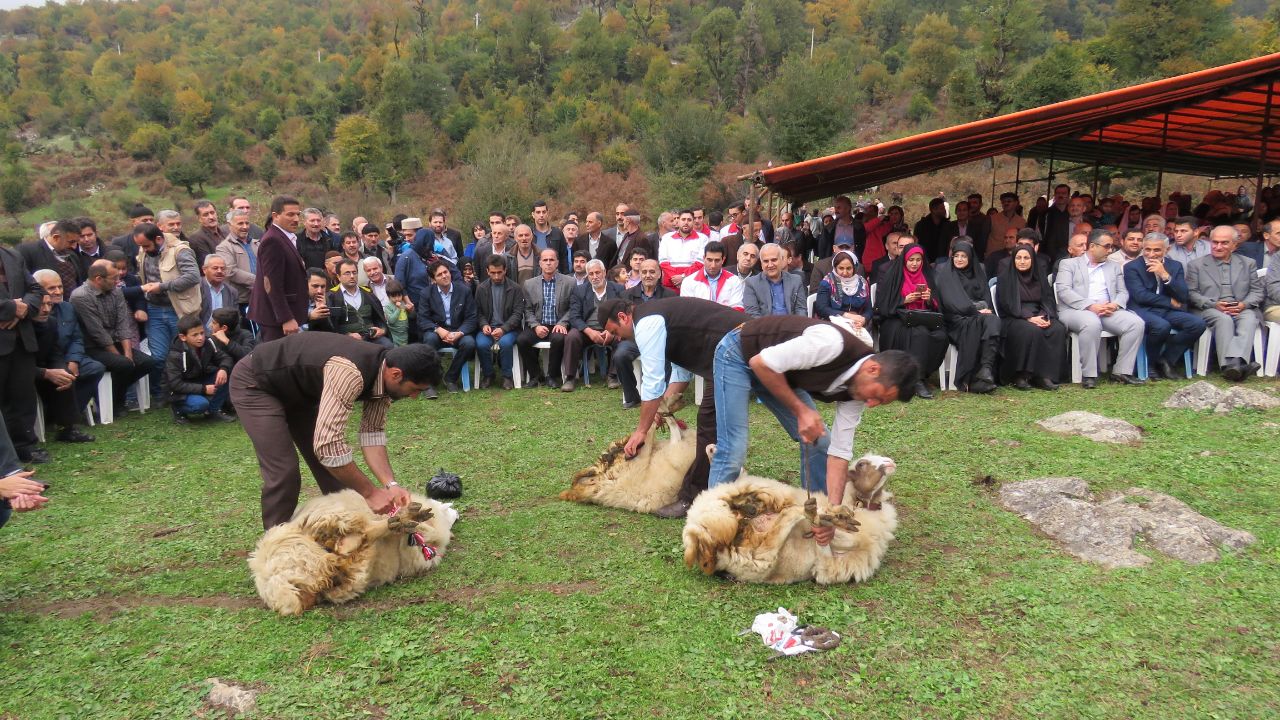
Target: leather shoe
[
  {"x": 1166, "y": 370},
  {"x": 180, "y": 419},
  {"x": 981, "y": 387},
  {"x": 984, "y": 374},
  {"x": 630, "y": 404},
  {"x": 453, "y": 387},
  {"x": 1127, "y": 379},
  {"x": 1089, "y": 383},
  {"x": 1234, "y": 371},
  {"x": 72, "y": 435},
  {"x": 553, "y": 382},
  {"x": 1021, "y": 383},
  {"x": 613, "y": 383},
  {"x": 1044, "y": 383},
  {"x": 486, "y": 381},
  {"x": 38, "y": 456},
  {"x": 221, "y": 417},
  {"x": 675, "y": 510},
  {"x": 430, "y": 393},
  {"x": 568, "y": 386},
  {"x": 1251, "y": 368},
  {"x": 508, "y": 384},
  {"x": 922, "y": 391}
]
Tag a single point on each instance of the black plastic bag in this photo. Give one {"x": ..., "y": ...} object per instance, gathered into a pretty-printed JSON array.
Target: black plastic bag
[{"x": 444, "y": 486}]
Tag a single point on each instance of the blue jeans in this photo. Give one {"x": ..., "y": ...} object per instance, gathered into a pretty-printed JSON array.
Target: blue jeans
[
  {"x": 162, "y": 328},
  {"x": 506, "y": 350},
  {"x": 734, "y": 383},
  {"x": 203, "y": 404}
]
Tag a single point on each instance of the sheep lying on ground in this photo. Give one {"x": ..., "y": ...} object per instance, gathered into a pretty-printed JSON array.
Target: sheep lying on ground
[
  {"x": 644, "y": 483},
  {"x": 335, "y": 548},
  {"x": 757, "y": 530}
]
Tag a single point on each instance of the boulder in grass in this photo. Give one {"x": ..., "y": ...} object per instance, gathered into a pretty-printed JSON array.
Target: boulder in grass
[
  {"x": 1203, "y": 395},
  {"x": 1102, "y": 529},
  {"x": 1095, "y": 427}
]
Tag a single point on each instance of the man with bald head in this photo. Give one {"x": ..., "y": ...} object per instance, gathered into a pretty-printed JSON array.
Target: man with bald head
[
  {"x": 546, "y": 319},
  {"x": 1227, "y": 292},
  {"x": 498, "y": 243},
  {"x": 747, "y": 263}
]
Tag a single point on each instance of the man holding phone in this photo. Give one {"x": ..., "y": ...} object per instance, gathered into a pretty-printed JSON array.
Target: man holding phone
[{"x": 1227, "y": 292}]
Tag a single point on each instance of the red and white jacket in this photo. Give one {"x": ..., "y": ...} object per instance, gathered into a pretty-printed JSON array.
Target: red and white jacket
[
  {"x": 680, "y": 255},
  {"x": 726, "y": 290}
]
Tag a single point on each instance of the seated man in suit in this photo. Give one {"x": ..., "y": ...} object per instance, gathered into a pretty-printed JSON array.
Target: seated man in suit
[
  {"x": 748, "y": 260},
  {"x": 1092, "y": 297},
  {"x": 65, "y": 377},
  {"x": 447, "y": 317},
  {"x": 1227, "y": 292},
  {"x": 109, "y": 329},
  {"x": 774, "y": 292},
  {"x": 500, "y": 314},
  {"x": 353, "y": 310},
  {"x": 895, "y": 243},
  {"x": 215, "y": 291},
  {"x": 1271, "y": 293},
  {"x": 1158, "y": 294},
  {"x": 584, "y": 322},
  {"x": 546, "y": 319}
]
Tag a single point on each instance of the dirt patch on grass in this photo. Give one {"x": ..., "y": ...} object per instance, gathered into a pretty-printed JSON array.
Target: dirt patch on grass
[{"x": 104, "y": 608}]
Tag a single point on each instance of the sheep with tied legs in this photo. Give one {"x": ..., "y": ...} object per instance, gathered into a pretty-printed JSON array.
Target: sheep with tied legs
[
  {"x": 334, "y": 548},
  {"x": 759, "y": 530}
]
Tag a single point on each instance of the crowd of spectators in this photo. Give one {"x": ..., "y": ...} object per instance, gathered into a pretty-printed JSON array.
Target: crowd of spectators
[{"x": 1005, "y": 291}]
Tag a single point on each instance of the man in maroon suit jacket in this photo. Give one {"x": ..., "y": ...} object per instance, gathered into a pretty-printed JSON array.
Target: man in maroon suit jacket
[{"x": 278, "y": 301}]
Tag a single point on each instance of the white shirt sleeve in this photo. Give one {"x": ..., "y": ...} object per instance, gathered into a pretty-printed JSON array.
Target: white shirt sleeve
[
  {"x": 651, "y": 338},
  {"x": 848, "y": 415}
]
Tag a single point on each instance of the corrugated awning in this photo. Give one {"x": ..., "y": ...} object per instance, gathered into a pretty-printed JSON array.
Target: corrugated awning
[{"x": 1216, "y": 122}]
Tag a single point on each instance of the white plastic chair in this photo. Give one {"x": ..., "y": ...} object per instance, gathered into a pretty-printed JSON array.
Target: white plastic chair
[
  {"x": 1205, "y": 344},
  {"x": 810, "y": 301},
  {"x": 1272, "y": 365}
]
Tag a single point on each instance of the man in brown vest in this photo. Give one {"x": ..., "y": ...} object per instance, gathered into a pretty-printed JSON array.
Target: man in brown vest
[
  {"x": 681, "y": 332},
  {"x": 788, "y": 360},
  {"x": 299, "y": 391}
]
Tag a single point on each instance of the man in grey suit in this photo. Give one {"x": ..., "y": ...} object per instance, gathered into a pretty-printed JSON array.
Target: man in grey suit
[
  {"x": 774, "y": 291},
  {"x": 1091, "y": 298},
  {"x": 215, "y": 291},
  {"x": 1227, "y": 292},
  {"x": 546, "y": 319}
]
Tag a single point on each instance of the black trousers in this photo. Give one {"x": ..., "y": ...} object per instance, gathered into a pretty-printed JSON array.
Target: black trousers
[
  {"x": 695, "y": 480},
  {"x": 18, "y": 398},
  {"x": 529, "y": 355},
  {"x": 124, "y": 372}
]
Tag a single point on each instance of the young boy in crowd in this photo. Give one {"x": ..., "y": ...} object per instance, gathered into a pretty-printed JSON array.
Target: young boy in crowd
[
  {"x": 400, "y": 314},
  {"x": 228, "y": 337},
  {"x": 196, "y": 374}
]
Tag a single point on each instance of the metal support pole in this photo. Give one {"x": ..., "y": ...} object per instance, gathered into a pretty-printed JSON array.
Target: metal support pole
[
  {"x": 1048, "y": 181},
  {"x": 992, "y": 197},
  {"x": 1017, "y": 178},
  {"x": 1164, "y": 146},
  {"x": 1266, "y": 133}
]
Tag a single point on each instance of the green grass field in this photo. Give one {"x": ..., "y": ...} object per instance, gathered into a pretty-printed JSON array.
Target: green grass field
[{"x": 130, "y": 589}]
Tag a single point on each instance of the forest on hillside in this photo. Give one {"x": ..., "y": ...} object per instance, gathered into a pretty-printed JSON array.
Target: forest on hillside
[{"x": 505, "y": 99}]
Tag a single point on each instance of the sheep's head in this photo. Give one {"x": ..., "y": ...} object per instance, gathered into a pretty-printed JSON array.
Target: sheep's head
[{"x": 867, "y": 477}]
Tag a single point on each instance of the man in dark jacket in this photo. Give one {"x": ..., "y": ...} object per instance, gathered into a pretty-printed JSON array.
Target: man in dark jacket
[
  {"x": 585, "y": 324},
  {"x": 447, "y": 317},
  {"x": 500, "y": 314},
  {"x": 20, "y": 299},
  {"x": 196, "y": 373},
  {"x": 69, "y": 377},
  {"x": 354, "y": 310},
  {"x": 1159, "y": 295},
  {"x": 278, "y": 301},
  {"x": 934, "y": 231},
  {"x": 57, "y": 253}
]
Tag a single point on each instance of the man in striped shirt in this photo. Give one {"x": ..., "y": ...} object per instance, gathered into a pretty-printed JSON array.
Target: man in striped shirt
[{"x": 300, "y": 391}]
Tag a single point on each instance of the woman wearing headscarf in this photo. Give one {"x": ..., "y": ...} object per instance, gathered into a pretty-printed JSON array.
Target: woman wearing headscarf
[
  {"x": 971, "y": 324},
  {"x": 844, "y": 292},
  {"x": 1035, "y": 342},
  {"x": 908, "y": 286}
]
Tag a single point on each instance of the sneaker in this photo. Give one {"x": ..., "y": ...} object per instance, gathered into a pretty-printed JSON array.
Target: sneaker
[
  {"x": 613, "y": 383},
  {"x": 568, "y": 385},
  {"x": 72, "y": 435},
  {"x": 430, "y": 393}
]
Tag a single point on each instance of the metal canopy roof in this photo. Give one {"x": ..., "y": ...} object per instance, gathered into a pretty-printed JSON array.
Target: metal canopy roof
[{"x": 1216, "y": 122}]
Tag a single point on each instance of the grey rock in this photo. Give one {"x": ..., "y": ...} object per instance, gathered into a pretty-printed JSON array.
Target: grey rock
[
  {"x": 1092, "y": 426},
  {"x": 1203, "y": 395},
  {"x": 231, "y": 697},
  {"x": 1102, "y": 530}
]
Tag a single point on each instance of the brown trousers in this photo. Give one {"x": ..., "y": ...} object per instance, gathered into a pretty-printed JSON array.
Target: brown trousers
[
  {"x": 695, "y": 480},
  {"x": 275, "y": 431}
]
